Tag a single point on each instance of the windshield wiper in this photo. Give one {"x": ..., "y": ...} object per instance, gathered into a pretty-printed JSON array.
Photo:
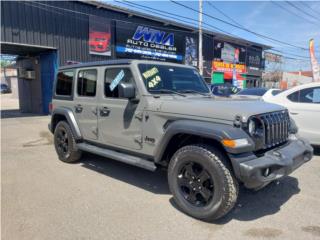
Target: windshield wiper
[
  {"x": 194, "y": 91},
  {"x": 167, "y": 91}
]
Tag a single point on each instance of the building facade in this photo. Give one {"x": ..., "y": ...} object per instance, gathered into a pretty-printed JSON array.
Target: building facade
[{"x": 46, "y": 35}]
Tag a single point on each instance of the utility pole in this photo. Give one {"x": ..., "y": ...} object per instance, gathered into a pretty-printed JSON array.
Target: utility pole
[{"x": 200, "y": 38}]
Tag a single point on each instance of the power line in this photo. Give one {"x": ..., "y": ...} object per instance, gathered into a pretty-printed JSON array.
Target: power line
[
  {"x": 306, "y": 5},
  {"x": 292, "y": 54},
  {"x": 301, "y": 10},
  {"x": 222, "y": 13},
  {"x": 156, "y": 11},
  {"x": 242, "y": 28},
  {"x": 231, "y": 19},
  {"x": 150, "y": 9},
  {"x": 293, "y": 13}
]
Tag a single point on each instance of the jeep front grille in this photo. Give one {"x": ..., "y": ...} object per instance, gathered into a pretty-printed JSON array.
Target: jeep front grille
[{"x": 276, "y": 128}]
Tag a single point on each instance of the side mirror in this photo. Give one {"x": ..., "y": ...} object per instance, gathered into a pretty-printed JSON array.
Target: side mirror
[{"x": 127, "y": 90}]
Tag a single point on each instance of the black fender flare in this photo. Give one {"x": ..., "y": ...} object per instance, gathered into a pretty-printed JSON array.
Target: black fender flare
[
  {"x": 68, "y": 114},
  {"x": 216, "y": 131}
]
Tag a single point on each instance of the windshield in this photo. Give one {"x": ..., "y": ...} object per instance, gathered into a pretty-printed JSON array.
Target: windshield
[
  {"x": 159, "y": 78},
  {"x": 253, "y": 91}
]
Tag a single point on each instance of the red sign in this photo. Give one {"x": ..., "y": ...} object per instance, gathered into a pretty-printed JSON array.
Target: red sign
[{"x": 218, "y": 66}]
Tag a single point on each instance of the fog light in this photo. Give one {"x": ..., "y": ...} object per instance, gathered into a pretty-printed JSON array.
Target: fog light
[{"x": 292, "y": 137}]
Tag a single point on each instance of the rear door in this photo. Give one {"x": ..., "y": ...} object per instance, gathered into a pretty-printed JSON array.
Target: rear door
[
  {"x": 304, "y": 108},
  {"x": 85, "y": 102}
]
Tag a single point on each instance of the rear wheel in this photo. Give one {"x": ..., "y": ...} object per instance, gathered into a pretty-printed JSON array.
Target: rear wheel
[
  {"x": 201, "y": 182},
  {"x": 65, "y": 143}
]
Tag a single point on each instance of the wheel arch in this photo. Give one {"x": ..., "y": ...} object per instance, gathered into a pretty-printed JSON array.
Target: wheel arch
[
  {"x": 65, "y": 114},
  {"x": 183, "y": 132}
]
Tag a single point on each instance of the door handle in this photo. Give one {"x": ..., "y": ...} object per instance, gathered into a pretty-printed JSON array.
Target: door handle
[
  {"x": 104, "y": 112},
  {"x": 78, "y": 108},
  {"x": 294, "y": 113},
  {"x": 95, "y": 111}
]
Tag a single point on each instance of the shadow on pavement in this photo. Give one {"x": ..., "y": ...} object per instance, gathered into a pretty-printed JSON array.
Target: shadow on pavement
[
  {"x": 316, "y": 150},
  {"x": 15, "y": 113},
  {"x": 155, "y": 182},
  {"x": 251, "y": 205}
]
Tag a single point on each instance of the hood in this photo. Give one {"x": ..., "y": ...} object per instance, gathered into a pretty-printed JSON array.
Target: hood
[
  {"x": 245, "y": 97},
  {"x": 217, "y": 108}
]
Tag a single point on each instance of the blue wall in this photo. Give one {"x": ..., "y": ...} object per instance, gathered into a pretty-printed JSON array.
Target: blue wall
[{"x": 49, "y": 68}]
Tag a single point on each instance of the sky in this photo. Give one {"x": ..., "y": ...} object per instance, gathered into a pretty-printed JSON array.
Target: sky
[{"x": 279, "y": 20}]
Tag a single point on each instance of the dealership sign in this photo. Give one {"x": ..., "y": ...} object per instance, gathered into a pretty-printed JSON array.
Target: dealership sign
[
  {"x": 153, "y": 36},
  {"x": 140, "y": 41},
  {"x": 218, "y": 66}
]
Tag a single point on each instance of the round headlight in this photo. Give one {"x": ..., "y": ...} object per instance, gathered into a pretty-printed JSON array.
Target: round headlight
[{"x": 252, "y": 127}]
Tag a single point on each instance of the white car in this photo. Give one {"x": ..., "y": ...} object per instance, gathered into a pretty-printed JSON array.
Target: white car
[{"x": 303, "y": 103}]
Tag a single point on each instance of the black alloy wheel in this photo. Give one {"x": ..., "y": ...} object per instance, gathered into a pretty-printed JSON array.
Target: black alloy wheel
[
  {"x": 62, "y": 141},
  {"x": 201, "y": 181},
  {"x": 196, "y": 184},
  {"x": 65, "y": 143}
]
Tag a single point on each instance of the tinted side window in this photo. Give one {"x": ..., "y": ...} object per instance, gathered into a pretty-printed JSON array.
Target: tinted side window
[
  {"x": 275, "y": 92},
  {"x": 294, "y": 97},
  {"x": 307, "y": 95},
  {"x": 113, "y": 77},
  {"x": 64, "y": 83},
  {"x": 87, "y": 82},
  {"x": 310, "y": 95}
]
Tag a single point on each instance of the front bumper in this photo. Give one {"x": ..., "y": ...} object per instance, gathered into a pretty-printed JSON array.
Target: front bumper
[{"x": 256, "y": 172}]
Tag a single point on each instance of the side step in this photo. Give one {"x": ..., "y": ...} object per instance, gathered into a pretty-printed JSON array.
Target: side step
[{"x": 121, "y": 157}]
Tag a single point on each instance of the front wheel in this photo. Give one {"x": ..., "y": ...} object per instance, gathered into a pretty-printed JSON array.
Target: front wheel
[{"x": 201, "y": 183}]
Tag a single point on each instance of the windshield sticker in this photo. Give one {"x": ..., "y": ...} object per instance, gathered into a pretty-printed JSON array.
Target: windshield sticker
[
  {"x": 154, "y": 82},
  {"x": 116, "y": 80},
  {"x": 149, "y": 73}
]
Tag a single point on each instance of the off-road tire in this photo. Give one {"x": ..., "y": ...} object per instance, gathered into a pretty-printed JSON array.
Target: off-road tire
[
  {"x": 225, "y": 191},
  {"x": 73, "y": 154}
]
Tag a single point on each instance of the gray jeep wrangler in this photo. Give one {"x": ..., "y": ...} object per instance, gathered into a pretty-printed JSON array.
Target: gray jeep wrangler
[{"x": 154, "y": 114}]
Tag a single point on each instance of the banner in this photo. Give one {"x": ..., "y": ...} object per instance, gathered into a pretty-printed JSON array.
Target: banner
[
  {"x": 234, "y": 71},
  {"x": 99, "y": 36},
  {"x": 225, "y": 52},
  {"x": 142, "y": 41},
  {"x": 254, "y": 57},
  {"x": 272, "y": 57},
  {"x": 314, "y": 62},
  {"x": 218, "y": 66},
  {"x": 191, "y": 55}
]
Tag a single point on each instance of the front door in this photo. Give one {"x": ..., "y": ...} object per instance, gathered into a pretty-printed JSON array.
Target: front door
[
  {"x": 85, "y": 107},
  {"x": 118, "y": 118}
]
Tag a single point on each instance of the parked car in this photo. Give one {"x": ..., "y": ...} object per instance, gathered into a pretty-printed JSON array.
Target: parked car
[
  {"x": 99, "y": 42},
  {"x": 156, "y": 114},
  {"x": 4, "y": 88},
  {"x": 303, "y": 103},
  {"x": 223, "y": 89}
]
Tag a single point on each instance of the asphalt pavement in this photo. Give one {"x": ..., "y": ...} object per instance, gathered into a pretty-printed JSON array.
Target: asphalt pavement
[{"x": 97, "y": 198}]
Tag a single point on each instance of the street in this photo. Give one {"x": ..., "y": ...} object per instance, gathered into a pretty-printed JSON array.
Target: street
[{"x": 44, "y": 198}]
